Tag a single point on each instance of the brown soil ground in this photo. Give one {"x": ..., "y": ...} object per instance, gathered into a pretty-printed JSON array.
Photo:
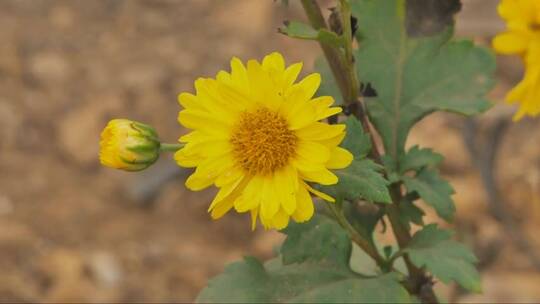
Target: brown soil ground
[{"x": 73, "y": 231}]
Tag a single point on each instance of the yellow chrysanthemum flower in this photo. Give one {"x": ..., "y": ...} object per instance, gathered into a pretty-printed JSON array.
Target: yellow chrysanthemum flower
[
  {"x": 257, "y": 136},
  {"x": 128, "y": 145},
  {"x": 522, "y": 38}
]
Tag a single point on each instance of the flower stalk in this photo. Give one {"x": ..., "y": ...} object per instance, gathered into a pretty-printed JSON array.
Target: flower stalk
[
  {"x": 164, "y": 147},
  {"x": 358, "y": 239}
]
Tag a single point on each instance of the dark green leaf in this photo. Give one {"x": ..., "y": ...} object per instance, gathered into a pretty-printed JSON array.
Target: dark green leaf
[
  {"x": 319, "y": 276},
  {"x": 416, "y": 159},
  {"x": 357, "y": 141},
  {"x": 446, "y": 259},
  {"x": 320, "y": 239},
  {"x": 240, "y": 282},
  {"x": 415, "y": 76},
  {"x": 410, "y": 213},
  {"x": 300, "y": 284},
  {"x": 361, "y": 180},
  {"x": 434, "y": 191}
]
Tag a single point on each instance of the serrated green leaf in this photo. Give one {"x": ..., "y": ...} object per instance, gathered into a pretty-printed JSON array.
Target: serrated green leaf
[
  {"x": 328, "y": 85},
  {"x": 446, "y": 259},
  {"x": 434, "y": 190},
  {"x": 410, "y": 213},
  {"x": 299, "y": 283},
  {"x": 301, "y": 30},
  {"x": 356, "y": 141},
  {"x": 320, "y": 239},
  {"x": 240, "y": 282},
  {"x": 361, "y": 180},
  {"x": 319, "y": 277},
  {"x": 415, "y": 76},
  {"x": 416, "y": 159}
]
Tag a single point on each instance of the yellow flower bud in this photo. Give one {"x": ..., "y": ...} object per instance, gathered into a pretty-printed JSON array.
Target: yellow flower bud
[{"x": 128, "y": 145}]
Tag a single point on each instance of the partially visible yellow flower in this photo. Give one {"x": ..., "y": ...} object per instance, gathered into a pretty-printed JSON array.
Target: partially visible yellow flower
[
  {"x": 522, "y": 38},
  {"x": 128, "y": 145},
  {"x": 257, "y": 136}
]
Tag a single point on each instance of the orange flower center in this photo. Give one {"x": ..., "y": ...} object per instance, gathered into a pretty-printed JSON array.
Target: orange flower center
[{"x": 262, "y": 142}]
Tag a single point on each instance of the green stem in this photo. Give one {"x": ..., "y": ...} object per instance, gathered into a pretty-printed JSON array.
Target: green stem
[
  {"x": 164, "y": 147},
  {"x": 345, "y": 12},
  {"x": 356, "y": 237},
  {"x": 333, "y": 56}
]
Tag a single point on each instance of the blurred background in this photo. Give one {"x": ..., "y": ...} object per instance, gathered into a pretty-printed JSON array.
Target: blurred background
[{"x": 73, "y": 231}]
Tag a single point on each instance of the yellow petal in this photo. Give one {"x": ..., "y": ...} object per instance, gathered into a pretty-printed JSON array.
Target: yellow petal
[
  {"x": 274, "y": 61},
  {"x": 214, "y": 166},
  {"x": 320, "y": 194},
  {"x": 193, "y": 119},
  {"x": 280, "y": 220},
  {"x": 305, "y": 208},
  {"x": 269, "y": 204},
  {"x": 301, "y": 115},
  {"x": 313, "y": 151},
  {"x": 262, "y": 89},
  {"x": 239, "y": 76},
  {"x": 333, "y": 142},
  {"x": 305, "y": 165},
  {"x": 226, "y": 191},
  {"x": 309, "y": 85},
  {"x": 320, "y": 131},
  {"x": 229, "y": 176},
  {"x": 322, "y": 107},
  {"x": 254, "y": 214},
  {"x": 323, "y": 177},
  {"x": 222, "y": 208},
  {"x": 285, "y": 185},
  {"x": 236, "y": 98},
  {"x": 251, "y": 196},
  {"x": 510, "y": 43},
  {"x": 187, "y": 160},
  {"x": 223, "y": 76},
  {"x": 339, "y": 158},
  {"x": 521, "y": 10},
  {"x": 195, "y": 182},
  {"x": 291, "y": 73},
  {"x": 189, "y": 101}
]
